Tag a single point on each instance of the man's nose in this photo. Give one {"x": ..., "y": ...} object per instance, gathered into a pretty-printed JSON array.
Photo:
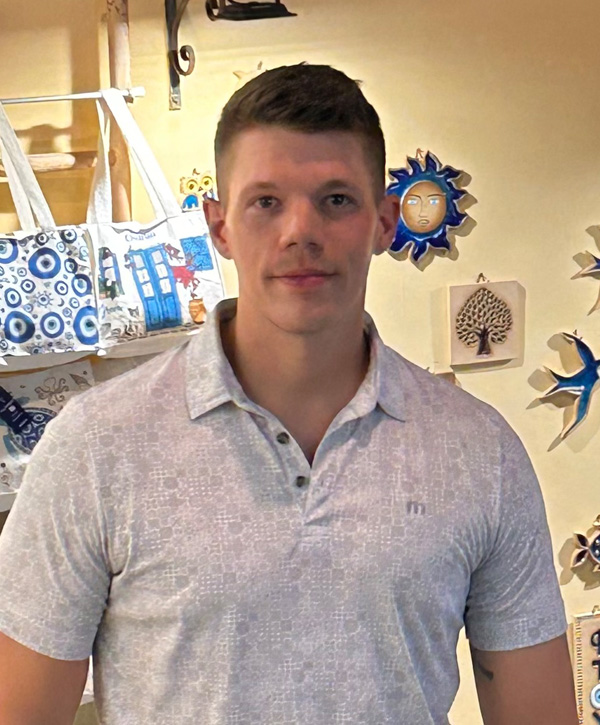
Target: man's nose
[{"x": 301, "y": 224}]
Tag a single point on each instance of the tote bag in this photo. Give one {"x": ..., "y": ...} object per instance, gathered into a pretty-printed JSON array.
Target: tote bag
[
  {"x": 153, "y": 278},
  {"x": 47, "y": 300},
  {"x": 27, "y": 404}
]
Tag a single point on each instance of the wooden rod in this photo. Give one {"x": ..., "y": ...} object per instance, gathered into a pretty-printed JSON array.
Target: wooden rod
[
  {"x": 129, "y": 93},
  {"x": 119, "y": 58},
  {"x": 44, "y": 163}
]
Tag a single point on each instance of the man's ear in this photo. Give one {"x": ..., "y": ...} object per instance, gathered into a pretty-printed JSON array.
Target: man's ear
[
  {"x": 389, "y": 213},
  {"x": 215, "y": 218}
]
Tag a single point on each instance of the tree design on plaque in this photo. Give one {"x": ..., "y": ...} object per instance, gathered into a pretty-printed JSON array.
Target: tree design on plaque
[{"x": 483, "y": 319}]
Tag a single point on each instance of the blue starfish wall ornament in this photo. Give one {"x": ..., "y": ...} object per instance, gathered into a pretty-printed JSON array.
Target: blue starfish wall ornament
[
  {"x": 580, "y": 384},
  {"x": 592, "y": 270},
  {"x": 428, "y": 205}
]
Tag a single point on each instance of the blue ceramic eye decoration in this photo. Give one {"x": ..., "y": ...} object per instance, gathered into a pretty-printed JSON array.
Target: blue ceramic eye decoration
[
  {"x": 580, "y": 384},
  {"x": 428, "y": 205}
]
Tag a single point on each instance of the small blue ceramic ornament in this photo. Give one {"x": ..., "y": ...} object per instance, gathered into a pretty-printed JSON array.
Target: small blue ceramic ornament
[
  {"x": 428, "y": 205},
  {"x": 580, "y": 384},
  {"x": 587, "y": 548}
]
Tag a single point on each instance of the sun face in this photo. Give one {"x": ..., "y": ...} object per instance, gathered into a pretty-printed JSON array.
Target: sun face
[{"x": 428, "y": 206}]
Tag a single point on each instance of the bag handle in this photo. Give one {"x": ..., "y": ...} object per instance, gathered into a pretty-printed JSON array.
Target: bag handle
[
  {"x": 154, "y": 181},
  {"x": 100, "y": 204},
  {"x": 24, "y": 187},
  {"x": 19, "y": 197}
]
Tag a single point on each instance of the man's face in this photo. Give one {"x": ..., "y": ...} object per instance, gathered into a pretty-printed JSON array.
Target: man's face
[{"x": 299, "y": 217}]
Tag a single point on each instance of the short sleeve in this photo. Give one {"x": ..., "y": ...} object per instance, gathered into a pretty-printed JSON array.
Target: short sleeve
[
  {"x": 54, "y": 577},
  {"x": 514, "y": 599}
]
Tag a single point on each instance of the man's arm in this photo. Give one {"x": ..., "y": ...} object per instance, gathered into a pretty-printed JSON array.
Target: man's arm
[
  {"x": 528, "y": 686},
  {"x": 38, "y": 690}
]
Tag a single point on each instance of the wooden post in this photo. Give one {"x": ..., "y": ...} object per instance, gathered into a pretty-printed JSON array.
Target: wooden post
[{"x": 120, "y": 77}]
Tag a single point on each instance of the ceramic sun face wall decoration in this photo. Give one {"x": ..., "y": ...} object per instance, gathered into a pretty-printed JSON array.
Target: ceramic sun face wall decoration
[
  {"x": 487, "y": 322},
  {"x": 429, "y": 196}
]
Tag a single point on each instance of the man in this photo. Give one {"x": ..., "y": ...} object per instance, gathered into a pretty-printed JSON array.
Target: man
[{"x": 283, "y": 522}]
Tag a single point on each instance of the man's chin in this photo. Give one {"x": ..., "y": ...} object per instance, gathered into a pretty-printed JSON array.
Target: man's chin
[{"x": 302, "y": 324}]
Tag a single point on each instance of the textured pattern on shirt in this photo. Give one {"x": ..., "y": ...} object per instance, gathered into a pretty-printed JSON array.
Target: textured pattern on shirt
[{"x": 160, "y": 525}]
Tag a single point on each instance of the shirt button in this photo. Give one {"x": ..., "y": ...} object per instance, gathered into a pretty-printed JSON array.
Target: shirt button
[
  {"x": 302, "y": 481},
  {"x": 283, "y": 438}
]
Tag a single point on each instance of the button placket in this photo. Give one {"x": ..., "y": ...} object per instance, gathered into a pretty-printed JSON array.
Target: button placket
[
  {"x": 302, "y": 481},
  {"x": 294, "y": 459}
]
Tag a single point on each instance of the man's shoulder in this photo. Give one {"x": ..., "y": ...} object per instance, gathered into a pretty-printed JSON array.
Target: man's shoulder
[
  {"x": 428, "y": 394},
  {"x": 132, "y": 394}
]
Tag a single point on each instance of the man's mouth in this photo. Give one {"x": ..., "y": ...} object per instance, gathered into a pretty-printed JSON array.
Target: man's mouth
[{"x": 304, "y": 277}]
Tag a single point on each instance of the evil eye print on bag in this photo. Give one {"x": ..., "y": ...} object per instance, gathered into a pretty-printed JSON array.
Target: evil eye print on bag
[
  {"x": 52, "y": 324},
  {"x": 82, "y": 285},
  {"x": 18, "y": 327},
  {"x": 9, "y": 249},
  {"x": 44, "y": 264},
  {"x": 13, "y": 298},
  {"x": 85, "y": 325}
]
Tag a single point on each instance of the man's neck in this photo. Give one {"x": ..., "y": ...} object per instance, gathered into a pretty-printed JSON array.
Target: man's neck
[{"x": 304, "y": 380}]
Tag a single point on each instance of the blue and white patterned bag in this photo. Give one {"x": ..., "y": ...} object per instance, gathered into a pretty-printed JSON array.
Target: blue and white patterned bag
[{"x": 47, "y": 299}]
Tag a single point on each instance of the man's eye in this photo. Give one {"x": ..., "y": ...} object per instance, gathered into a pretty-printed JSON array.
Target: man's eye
[
  {"x": 339, "y": 200},
  {"x": 265, "y": 202}
]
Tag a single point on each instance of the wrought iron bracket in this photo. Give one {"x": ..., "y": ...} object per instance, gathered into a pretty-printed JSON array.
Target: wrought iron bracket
[
  {"x": 174, "y": 11},
  {"x": 182, "y": 60}
]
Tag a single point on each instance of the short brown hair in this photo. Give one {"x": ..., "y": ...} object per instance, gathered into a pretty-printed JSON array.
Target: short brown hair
[{"x": 307, "y": 98}]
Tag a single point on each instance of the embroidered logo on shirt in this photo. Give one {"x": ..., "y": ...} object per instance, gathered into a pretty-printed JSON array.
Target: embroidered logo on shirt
[{"x": 415, "y": 507}]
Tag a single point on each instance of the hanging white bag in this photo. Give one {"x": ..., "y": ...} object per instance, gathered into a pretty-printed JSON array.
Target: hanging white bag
[
  {"x": 27, "y": 404},
  {"x": 150, "y": 278},
  {"x": 47, "y": 300}
]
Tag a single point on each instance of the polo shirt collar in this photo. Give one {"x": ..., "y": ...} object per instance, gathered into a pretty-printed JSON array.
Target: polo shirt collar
[{"x": 211, "y": 382}]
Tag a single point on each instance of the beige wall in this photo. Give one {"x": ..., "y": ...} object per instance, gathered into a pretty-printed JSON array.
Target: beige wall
[{"x": 507, "y": 91}]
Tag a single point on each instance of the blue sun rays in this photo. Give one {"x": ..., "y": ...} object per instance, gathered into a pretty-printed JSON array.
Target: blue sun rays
[{"x": 444, "y": 177}]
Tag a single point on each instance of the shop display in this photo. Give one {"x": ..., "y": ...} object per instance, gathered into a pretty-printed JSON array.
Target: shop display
[
  {"x": 27, "y": 404},
  {"x": 47, "y": 301},
  {"x": 429, "y": 197},
  {"x": 580, "y": 384},
  {"x": 150, "y": 277},
  {"x": 487, "y": 322},
  {"x": 586, "y": 662}
]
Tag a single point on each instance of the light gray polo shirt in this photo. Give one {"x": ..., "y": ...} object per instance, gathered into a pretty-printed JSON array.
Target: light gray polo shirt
[{"x": 174, "y": 528}]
